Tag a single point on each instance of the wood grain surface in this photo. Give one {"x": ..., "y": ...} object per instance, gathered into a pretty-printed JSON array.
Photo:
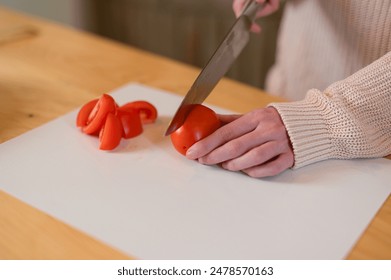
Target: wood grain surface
[{"x": 47, "y": 70}]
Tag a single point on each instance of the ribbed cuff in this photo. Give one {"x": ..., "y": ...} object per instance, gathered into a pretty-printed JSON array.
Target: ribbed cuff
[{"x": 307, "y": 129}]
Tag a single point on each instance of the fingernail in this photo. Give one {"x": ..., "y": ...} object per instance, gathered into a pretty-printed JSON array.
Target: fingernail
[{"x": 190, "y": 153}]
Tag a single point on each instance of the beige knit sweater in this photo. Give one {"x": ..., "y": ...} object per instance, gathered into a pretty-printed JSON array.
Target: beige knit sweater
[{"x": 336, "y": 54}]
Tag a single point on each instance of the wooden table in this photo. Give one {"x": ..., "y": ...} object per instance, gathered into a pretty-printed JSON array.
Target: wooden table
[{"x": 46, "y": 71}]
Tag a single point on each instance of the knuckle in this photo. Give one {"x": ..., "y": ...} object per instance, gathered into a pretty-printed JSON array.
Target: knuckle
[
  {"x": 276, "y": 168},
  {"x": 233, "y": 148},
  {"x": 254, "y": 117},
  {"x": 230, "y": 165},
  {"x": 279, "y": 165},
  {"x": 207, "y": 159},
  {"x": 290, "y": 159},
  {"x": 206, "y": 146},
  {"x": 253, "y": 173},
  {"x": 257, "y": 172},
  {"x": 225, "y": 134},
  {"x": 261, "y": 155},
  {"x": 270, "y": 169}
]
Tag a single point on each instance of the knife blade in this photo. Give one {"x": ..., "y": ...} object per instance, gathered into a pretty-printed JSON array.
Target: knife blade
[{"x": 218, "y": 65}]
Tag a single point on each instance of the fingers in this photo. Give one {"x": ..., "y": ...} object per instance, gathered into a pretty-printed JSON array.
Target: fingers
[
  {"x": 235, "y": 149},
  {"x": 271, "y": 168},
  {"x": 255, "y": 28},
  {"x": 226, "y": 133},
  {"x": 237, "y": 6},
  {"x": 225, "y": 119},
  {"x": 239, "y": 136},
  {"x": 254, "y": 157},
  {"x": 269, "y": 8},
  {"x": 256, "y": 143}
]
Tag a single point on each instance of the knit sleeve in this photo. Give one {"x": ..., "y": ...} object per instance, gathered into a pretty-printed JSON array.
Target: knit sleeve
[{"x": 350, "y": 119}]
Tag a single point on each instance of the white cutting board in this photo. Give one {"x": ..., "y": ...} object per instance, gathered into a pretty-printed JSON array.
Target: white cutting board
[{"x": 151, "y": 202}]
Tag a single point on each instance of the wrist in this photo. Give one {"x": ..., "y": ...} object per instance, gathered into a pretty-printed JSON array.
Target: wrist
[{"x": 307, "y": 130}]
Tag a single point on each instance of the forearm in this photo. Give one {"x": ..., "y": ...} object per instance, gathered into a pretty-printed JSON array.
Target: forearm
[{"x": 350, "y": 119}]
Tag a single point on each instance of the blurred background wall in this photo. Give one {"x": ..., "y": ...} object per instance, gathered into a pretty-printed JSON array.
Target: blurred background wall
[
  {"x": 63, "y": 11},
  {"x": 185, "y": 30}
]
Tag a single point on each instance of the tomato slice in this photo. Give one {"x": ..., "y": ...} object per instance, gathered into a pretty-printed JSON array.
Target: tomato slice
[
  {"x": 104, "y": 117},
  {"x": 97, "y": 116},
  {"x": 131, "y": 123},
  {"x": 85, "y": 111},
  {"x": 148, "y": 112},
  {"x": 200, "y": 122},
  {"x": 111, "y": 133}
]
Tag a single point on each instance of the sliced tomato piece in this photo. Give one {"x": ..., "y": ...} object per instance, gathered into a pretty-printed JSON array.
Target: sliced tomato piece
[
  {"x": 97, "y": 116},
  {"x": 147, "y": 112},
  {"x": 85, "y": 111},
  {"x": 131, "y": 123},
  {"x": 111, "y": 133}
]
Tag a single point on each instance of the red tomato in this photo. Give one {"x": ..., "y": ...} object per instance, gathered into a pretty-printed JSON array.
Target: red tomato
[
  {"x": 111, "y": 133},
  {"x": 147, "y": 111},
  {"x": 82, "y": 116},
  {"x": 200, "y": 122},
  {"x": 96, "y": 118},
  {"x": 105, "y": 118},
  {"x": 131, "y": 123}
]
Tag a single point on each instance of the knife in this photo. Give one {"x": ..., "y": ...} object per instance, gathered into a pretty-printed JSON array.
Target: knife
[{"x": 218, "y": 65}]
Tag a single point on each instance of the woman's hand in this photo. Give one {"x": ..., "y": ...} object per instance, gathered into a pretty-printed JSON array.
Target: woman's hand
[
  {"x": 270, "y": 7},
  {"x": 256, "y": 143}
]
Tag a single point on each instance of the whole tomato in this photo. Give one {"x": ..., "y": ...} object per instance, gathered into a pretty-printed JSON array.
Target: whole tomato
[{"x": 200, "y": 122}]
